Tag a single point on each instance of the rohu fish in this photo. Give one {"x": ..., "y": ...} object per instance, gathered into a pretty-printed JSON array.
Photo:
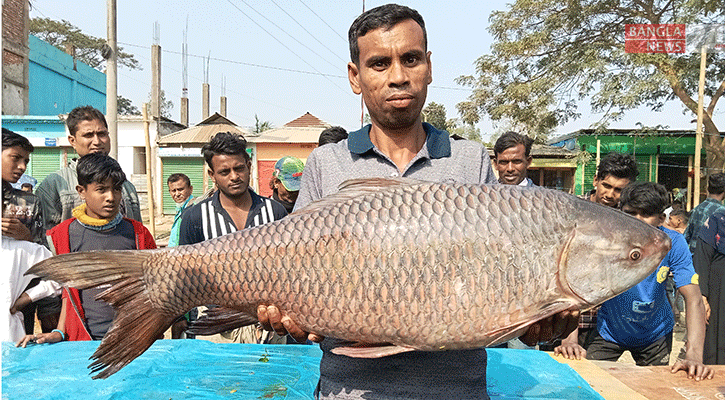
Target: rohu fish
[{"x": 410, "y": 264}]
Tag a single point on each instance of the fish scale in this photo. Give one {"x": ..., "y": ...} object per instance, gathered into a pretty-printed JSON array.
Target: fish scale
[{"x": 420, "y": 265}]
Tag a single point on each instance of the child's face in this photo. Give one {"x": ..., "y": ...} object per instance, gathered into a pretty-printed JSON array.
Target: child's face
[
  {"x": 14, "y": 162},
  {"x": 654, "y": 220},
  {"x": 102, "y": 199}
]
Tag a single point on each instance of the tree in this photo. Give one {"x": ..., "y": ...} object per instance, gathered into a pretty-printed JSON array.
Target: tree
[
  {"x": 465, "y": 130},
  {"x": 125, "y": 107},
  {"x": 165, "y": 105},
  {"x": 435, "y": 114},
  {"x": 259, "y": 126},
  {"x": 88, "y": 49},
  {"x": 548, "y": 55}
]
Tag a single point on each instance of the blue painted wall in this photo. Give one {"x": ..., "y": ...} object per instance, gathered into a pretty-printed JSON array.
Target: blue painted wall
[
  {"x": 56, "y": 87},
  {"x": 35, "y": 127}
]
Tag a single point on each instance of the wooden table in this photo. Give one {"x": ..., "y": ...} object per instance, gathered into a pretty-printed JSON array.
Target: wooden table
[{"x": 624, "y": 381}]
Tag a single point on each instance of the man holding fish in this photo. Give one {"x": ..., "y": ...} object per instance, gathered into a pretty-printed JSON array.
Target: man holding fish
[{"x": 391, "y": 68}]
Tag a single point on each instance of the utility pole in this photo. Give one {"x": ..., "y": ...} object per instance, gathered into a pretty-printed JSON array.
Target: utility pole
[
  {"x": 111, "y": 79},
  {"x": 698, "y": 133},
  {"x": 156, "y": 73}
]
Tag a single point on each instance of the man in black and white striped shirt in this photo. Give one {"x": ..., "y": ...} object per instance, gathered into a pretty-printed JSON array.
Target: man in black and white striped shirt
[{"x": 234, "y": 205}]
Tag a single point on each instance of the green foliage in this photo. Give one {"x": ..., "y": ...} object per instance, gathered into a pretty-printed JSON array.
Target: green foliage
[
  {"x": 259, "y": 126},
  {"x": 464, "y": 130},
  {"x": 165, "y": 105},
  {"x": 548, "y": 55},
  {"x": 126, "y": 107},
  {"x": 87, "y": 47},
  {"x": 435, "y": 114}
]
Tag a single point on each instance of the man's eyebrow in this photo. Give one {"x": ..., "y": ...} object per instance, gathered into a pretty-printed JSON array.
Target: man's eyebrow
[
  {"x": 416, "y": 53},
  {"x": 376, "y": 59}
]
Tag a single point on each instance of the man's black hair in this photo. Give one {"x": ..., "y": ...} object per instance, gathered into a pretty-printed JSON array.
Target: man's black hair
[
  {"x": 97, "y": 167},
  {"x": 333, "y": 134},
  {"x": 85, "y": 113},
  {"x": 178, "y": 177},
  {"x": 12, "y": 139},
  {"x": 649, "y": 198},
  {"x": 386, "y": 17},
  {"x": 512, "y": 139},
  {"x": 715, "y": 183},
  {"x": 622, "y": 166},
  {"x": 225, "y": 143},
  {"x": 680, "y": 213}
]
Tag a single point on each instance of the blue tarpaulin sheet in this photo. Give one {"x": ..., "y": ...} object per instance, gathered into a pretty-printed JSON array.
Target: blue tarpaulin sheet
[{"x": 198, "y": 369}]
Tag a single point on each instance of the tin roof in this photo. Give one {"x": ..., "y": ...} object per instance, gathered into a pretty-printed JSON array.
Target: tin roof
[
  {"x": 305, "y": 129},
  {"x": 203, "y": 132}
]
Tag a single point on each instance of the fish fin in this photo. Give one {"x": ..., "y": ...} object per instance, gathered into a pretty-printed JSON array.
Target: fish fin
[
  {"x": 137, "y": 323},
  {"x": 354, "y": 188},
  {"x": 220, "y": 319},
  {"x": 371, "y": 184},
  {"x": 516, "y": 330},
  {"x": 367, "y": 350}
]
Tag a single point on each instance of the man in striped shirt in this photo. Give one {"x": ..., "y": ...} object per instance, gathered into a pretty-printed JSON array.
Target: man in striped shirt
[{"x": 232, "y": 207}]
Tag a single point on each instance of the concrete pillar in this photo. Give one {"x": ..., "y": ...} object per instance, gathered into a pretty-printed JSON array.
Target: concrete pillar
[
  {"x": 204, "y": 100},
  {"x": 185, "y": 111}
]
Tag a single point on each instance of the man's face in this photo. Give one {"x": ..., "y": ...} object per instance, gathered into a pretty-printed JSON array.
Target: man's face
[
  {"x": 512, "y": 164},
  {"x": 231, "y": 174},
  {"x": 654, "y": 220},
  {"x": 91, "y": 137},
  {"x": 14, "y": 162},
  {"x": 393, "y": 74},
  {"x": 180, "y": 191},
  {"x": 283, "y": 193},
  {"x": 609, "y": 189},
  {"x": 102, "y": 199}
]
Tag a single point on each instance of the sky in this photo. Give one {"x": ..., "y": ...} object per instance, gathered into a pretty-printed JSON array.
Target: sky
[{"x": 278, "y": 59}]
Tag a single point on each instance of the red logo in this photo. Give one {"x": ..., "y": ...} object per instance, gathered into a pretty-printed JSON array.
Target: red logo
[{"x": 654, "y": 38}]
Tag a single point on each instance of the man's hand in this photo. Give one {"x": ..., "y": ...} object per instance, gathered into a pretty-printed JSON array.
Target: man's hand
[
  {"x": 707, "y": 309},
  {"x": 40, "y": 338},
  {"x": 695, "y": 369},
  {"x": 15, "y": 229},
  {"x": 555, "y": 327},
  {"x": 20, "y": 303},
  {"x": 570, "y": 350},
  {"x": 272, "y": 320}
]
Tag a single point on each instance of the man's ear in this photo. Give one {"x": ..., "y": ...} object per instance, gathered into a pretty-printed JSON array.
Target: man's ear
[
  {"x": 430, "y": 68},
  {"x": 663, "y": 217},
  {"x": 353, "y": 75},
  {"x": 72, "y": 140},
  {"x": 81, "y": 191}
]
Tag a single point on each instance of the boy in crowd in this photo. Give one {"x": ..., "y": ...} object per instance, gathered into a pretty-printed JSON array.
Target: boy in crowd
[
  {"x": 285, "y": 182},
  {"x": 18, "y": 256},
  {"x": 180, "y": 190},
  {"x": 640, "y": 320},
  {"x": 96, "y": 224},
  {"x": 22, "y": 220}
]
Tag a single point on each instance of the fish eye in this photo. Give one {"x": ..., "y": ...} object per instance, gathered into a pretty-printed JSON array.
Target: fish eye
[{"x": 635, "y": 255}]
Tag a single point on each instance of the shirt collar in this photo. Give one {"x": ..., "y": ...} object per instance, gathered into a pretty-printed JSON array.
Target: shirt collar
[{"x": 437, "y": 141}]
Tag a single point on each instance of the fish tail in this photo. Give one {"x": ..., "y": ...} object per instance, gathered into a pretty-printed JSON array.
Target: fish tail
[{"x": 137, "y": 323}]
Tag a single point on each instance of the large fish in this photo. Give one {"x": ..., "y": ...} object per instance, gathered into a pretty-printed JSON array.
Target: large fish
[{"x": 413, "y": 264}]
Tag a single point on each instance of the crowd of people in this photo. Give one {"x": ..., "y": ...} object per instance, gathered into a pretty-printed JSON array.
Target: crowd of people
[{"x": 90, "y": 205}]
